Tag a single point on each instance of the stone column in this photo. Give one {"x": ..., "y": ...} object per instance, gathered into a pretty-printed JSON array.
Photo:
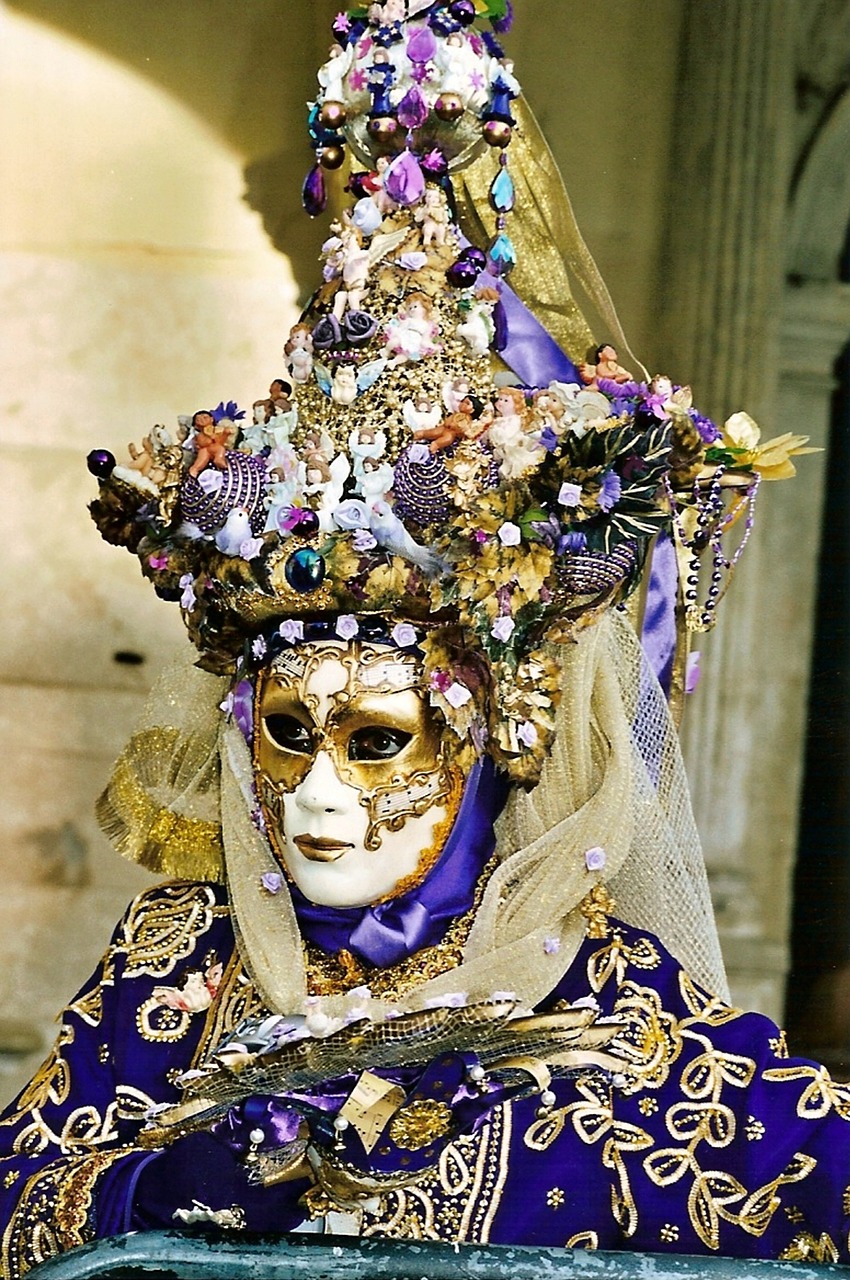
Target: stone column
[{"x": 723, "y": 285}]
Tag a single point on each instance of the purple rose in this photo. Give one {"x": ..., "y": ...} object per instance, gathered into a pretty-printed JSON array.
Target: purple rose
[
  {"x": 347, "y": 626},
  {"x": 609, "y": 494},
  {"x": 503, "y": 628},
  {"x": 271, "y": 881},
  {"x": 595, "y": 858},
  {"x": 326, "y": 333},
  {"x": 569, "y": 495},
  {"x": 510, "y": 534},
  {"x": 360, "y": 327},
  {"x": 403, "y": 635},
  {"x": 291, "y": 630}
]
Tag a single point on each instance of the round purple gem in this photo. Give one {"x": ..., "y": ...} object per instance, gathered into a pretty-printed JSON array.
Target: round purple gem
[
  {"x": 101, "y": 463},
  {"x": 308, "y": 525},
  {"x": 474, "y": 255},
  {"x": 463, "y": 11},
  {"x": 462, "y": 274},
  {"x": 304, "y": 570}
]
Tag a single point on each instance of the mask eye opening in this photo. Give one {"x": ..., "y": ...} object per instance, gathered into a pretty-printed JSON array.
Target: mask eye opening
[
  {"x": 288, "y": 733},
  {"x": 376, "y": 742}
]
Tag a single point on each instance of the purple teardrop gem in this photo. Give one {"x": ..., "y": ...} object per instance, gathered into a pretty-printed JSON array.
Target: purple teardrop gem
[
  {"x": 101, "y": 463},
  {"x": 413, "y": 109},
  {"x": 314, "y": 195},
  {"x": 421, "y": 47},
  {"x": 404, "y": 180},
  {"x": 500, "y": 327},
  {"x": 462, "y": 274}
]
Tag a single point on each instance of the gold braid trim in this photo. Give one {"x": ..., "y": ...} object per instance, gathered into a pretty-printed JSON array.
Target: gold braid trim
[{"x": 163, "y": 760}]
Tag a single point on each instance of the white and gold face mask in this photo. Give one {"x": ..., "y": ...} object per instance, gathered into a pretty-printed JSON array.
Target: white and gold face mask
[{"x": 351, "y": 771}]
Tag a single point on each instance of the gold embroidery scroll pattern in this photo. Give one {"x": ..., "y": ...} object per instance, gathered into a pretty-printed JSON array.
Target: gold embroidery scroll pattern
[
  {"x": 704, "y": 1118},
  {"x": 84, "y": 1130},
  {"x": 650, "y": 1037},
  {"x": 807, "y": 1248},
  {"x": 159, "y": 1024},
  {"x": 614, "y": 960},
  {"x": 457, "y": 1200},
  {"x": 50, "y": 1084},
  {"x": 583, "y": 1240},
  {"x": 593, "y": 1119},
  {"x": 163, "y": 926},
  {"x": 821, "y": 1095}
]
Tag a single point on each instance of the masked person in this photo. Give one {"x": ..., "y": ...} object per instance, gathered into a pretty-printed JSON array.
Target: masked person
[{"x": 385, "y": 988}]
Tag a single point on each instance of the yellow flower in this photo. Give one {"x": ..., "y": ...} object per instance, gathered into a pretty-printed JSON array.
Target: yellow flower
[{"x": 773, "y": 459}]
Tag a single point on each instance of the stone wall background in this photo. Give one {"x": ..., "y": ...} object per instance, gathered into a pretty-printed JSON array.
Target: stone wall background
[{"x": 150, "y": 243}]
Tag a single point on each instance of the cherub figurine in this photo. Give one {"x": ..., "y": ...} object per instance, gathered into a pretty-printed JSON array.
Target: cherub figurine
[
  {"x": 366, "y": 443},
  {"x": 455, "y": 392},
  {"x": 351, "y": 259},
  {"x": 477, "y": 328},
  {"x": 548, "y": 409},
  {"x": 468, "y": 422},
  {"x": 607, "y": 366},
  {"x": 254, "y": 434},
  {"x": 413, "y": 334},
  {"x": 211, "y": 441},
  {"x": 433, "y": 217},
  {"x": 421, "y": 413},
  {"x": 515, "y": 449},
  {"x": 325, "y": 480},
  {"x": 376, "y": 480},
  {"x": 375, "y": 185},
  {"x": 298, "y": 353},
  {"x": 344, "y": 384}
]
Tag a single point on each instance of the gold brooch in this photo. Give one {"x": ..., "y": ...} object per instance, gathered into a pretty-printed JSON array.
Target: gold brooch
[{"x": 420, "y": 1124}]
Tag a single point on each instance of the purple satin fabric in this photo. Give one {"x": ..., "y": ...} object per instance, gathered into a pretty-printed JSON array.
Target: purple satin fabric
[
  {"x": 387, "y": 932},
  {"x": 658, "y": 634},
  {"x": 530, "y": 350}
]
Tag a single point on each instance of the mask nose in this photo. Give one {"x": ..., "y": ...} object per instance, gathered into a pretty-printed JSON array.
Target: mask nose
[{"x": 322, "y": 790}]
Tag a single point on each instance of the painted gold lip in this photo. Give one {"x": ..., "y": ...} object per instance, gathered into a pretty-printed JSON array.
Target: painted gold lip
[{"x": 320, "y": 848}]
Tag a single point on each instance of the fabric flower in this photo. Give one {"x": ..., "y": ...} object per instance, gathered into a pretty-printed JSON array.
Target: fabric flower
[
  {"x": 158, "y": 561},
  {"x": 503, "y": 628},
  {"x": 251, "y": 548},
  {"x": 188, "y": 600},
  {"x": 692, "y": 671},
  {"x": 572, "y": 542},
  {"x": 347, "y": 626},
  {"x": 457, "y": 695},
  {"x": 243, "y": 709},
  {"x": 259, "y": 648},
  {"x": 551, "y": 946},
  {"x": 327, "y": 333},
  {"x": 527, "y": 733},
  {"x": 595, "y": 858},
  {"x": 403, "y": 635},
  {"x": 291, "y": 630},
  {"x": 569, "y": 495},
  {"x": 413, "y": 261},
  {"x": 227, "y": 705},
  {"x": 271, "y": 881},
  {"x": 352, "y": 514},
  {"x": 510, "y": 534},
  {"x": 210, "y": 480},
  {"x": 419, "y": 452},
  {"x": 609, "y": 494},
  {"x": 363, "y": 540},
  {"x": 360, "y": 327}
]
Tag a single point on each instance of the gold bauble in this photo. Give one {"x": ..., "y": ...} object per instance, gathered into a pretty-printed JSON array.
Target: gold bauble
[
  {"x": 333, "y": 114},
  {"x": 331, "y": 157}
]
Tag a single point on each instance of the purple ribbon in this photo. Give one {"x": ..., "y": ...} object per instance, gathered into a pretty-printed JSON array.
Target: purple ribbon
[
  {"x": 386, "y": 932},
  {"x": 658, "y": 634}
]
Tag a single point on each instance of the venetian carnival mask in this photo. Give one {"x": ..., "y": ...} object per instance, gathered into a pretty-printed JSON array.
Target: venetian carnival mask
[{"x": 351, "y": 771}]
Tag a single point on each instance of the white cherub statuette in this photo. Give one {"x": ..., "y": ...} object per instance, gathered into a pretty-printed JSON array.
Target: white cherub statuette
[
  {"x": 325, "y": 480},
  {"x": 349, "y": 259},
  {"x": 376, "y": 479},
  {"x": 454, "y": 393},
  {"x": 413, "y": 334},
  {"x": 433, "y": 217},
  {"x": 363, "y": 443},
  {"x": 477, "y": 328},
  {"x": 298, "y": 353},
  {"x": 421, "y": 414},
  {"x": 515, "y": 449}
]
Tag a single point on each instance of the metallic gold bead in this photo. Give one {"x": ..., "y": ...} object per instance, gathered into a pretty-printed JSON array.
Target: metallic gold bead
[
  {"x": 333, "y": 114},
  {"x": 331, "y": 157}
]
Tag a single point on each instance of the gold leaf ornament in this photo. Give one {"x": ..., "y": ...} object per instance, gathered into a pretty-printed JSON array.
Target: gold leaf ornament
[{"x": 420, "y": 1123}]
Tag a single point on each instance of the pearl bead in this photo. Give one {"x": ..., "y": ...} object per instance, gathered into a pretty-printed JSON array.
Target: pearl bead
[
  {"x": 548, "y": 1098},
  {"x": 476, "y": 1072},
  {"x": 257, "y": 1136},
  {"x": 340, "y": 1124}
]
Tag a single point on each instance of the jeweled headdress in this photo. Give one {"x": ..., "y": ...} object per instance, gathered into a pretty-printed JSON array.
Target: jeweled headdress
[{"x": 446, "y": 456}]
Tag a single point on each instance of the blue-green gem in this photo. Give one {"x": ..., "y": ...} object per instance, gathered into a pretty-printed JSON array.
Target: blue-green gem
[
  {"x": 304, "y": 570},
  {"x": 502, "y": 195},
  {"x": 501, "y": 256}
]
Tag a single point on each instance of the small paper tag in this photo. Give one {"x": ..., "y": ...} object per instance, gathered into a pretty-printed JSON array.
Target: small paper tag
[{"x": 370, "y": 1105}]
